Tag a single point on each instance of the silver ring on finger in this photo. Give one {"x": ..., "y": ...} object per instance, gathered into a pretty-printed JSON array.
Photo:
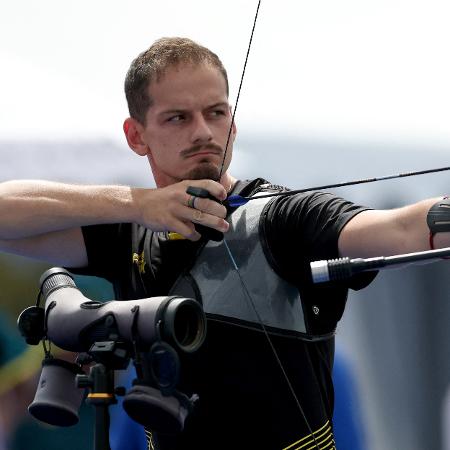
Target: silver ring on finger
[{"x": 191, "y": 201}]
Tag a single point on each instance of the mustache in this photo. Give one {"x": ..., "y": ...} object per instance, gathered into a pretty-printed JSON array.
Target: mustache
[{"x": 201, "y": 147}]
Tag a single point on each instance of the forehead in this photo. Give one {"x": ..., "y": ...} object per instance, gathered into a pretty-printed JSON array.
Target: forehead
[{"x": 188, "y": 84}]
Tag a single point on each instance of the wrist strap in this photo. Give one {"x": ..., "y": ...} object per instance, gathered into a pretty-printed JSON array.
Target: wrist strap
[{"x": 438, "y": 219}]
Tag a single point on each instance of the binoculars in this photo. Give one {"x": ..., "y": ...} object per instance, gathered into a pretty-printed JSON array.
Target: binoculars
[{"x": 150, "y": 331}]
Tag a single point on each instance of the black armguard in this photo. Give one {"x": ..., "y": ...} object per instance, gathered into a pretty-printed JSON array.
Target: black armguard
[{"x": 438, "y": 217}]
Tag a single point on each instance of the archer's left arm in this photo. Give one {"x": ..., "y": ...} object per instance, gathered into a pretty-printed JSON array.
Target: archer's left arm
[{"x": 390, "y": 232}]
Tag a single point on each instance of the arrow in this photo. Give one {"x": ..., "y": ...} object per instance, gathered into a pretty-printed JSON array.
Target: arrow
[{"x": 235, "y": 201}]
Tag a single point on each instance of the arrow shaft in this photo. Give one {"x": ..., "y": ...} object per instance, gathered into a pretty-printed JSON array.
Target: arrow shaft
[
  {"x": 363, "y": 181},
  {"x": 239, "y": 200}
]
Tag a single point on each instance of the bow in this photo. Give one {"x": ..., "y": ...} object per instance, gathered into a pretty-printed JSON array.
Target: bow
[
  {"x": 233, "y": 261},
  {"x": 237, "y": 200}
]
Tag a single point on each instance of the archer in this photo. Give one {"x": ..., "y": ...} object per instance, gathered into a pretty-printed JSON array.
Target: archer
[{"x": 146, "y": 243}]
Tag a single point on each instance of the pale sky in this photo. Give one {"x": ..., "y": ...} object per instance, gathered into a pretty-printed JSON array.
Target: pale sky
[{"x": 376, "y": 70}]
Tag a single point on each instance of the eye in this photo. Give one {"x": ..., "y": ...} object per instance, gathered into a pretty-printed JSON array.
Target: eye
[
  {"x": 176, "y": 118},
  {"x": 218, "y": 112}
]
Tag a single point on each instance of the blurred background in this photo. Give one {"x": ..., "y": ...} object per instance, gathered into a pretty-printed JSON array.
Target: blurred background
[{"x": 333, "y": 91}]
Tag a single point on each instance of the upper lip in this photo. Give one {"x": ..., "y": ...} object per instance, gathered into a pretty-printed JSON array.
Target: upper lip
[{"x": 205, "y": 151}]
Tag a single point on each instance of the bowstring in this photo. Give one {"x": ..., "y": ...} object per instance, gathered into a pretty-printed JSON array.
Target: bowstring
[
  {"x": 239, "y": 91},
  {"x": 233, "y": 262}
]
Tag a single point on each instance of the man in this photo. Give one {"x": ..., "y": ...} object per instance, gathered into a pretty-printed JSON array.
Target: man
[{"x": 264, "y": 373}]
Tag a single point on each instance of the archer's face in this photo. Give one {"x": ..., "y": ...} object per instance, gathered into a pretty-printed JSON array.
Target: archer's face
[{"x": 187, "y": 125}]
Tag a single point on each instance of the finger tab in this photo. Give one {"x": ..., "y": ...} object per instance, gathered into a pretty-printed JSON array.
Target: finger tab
[{"x": 198, "y": 192}]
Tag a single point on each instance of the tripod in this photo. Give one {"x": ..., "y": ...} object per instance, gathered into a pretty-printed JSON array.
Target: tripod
[{"x": 109, "y": 356}]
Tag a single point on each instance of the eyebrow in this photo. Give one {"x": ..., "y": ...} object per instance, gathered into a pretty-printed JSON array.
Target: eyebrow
[
  {"x": 218, "y": 105},
  {"x": 169, "y": 112}
]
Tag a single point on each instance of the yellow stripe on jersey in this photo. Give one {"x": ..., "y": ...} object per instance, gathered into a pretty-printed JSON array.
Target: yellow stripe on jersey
[
  {"x": 321, "y": 438},
  {"x": 175, "y": 236}
]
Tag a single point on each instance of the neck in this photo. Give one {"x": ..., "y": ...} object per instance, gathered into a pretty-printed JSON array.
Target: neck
[{"x": 227, "y": 181}]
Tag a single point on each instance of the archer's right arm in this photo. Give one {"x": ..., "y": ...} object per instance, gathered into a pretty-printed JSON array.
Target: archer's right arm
[{"x": 42, "y": 219}]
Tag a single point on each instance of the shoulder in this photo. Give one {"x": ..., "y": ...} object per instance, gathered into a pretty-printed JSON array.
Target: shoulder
[
  {"x": 304, "y": 208},
  {"x": 305, "y": 226}
]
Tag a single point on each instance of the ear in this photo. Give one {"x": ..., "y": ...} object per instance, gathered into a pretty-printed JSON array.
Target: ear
[
  {"x": 234, "y": 131},
  {"x": 133, "y": 132},
  {"x": 233, "y": 128}
]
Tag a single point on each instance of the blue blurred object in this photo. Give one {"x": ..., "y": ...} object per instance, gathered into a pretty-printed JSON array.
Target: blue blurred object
[
  {"x": 349, "y": 431},
  {"x": 125, "y": 433}
]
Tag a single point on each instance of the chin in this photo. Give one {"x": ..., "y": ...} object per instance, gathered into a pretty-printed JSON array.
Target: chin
[{"x": 206, "y": 171}]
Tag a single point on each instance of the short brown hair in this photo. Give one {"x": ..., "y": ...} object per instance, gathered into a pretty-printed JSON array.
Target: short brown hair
[{"x": 152, "y": 63}]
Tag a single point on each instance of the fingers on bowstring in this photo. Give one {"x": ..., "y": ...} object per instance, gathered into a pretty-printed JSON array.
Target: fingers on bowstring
[{"x": 214, "y": 188}]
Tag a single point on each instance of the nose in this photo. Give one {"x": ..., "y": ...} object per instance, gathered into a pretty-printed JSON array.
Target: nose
[{"x": 201, "y": 131}]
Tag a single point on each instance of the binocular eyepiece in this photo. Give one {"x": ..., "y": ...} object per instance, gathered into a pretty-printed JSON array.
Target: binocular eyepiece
[{"x": 74, "y": 322}]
